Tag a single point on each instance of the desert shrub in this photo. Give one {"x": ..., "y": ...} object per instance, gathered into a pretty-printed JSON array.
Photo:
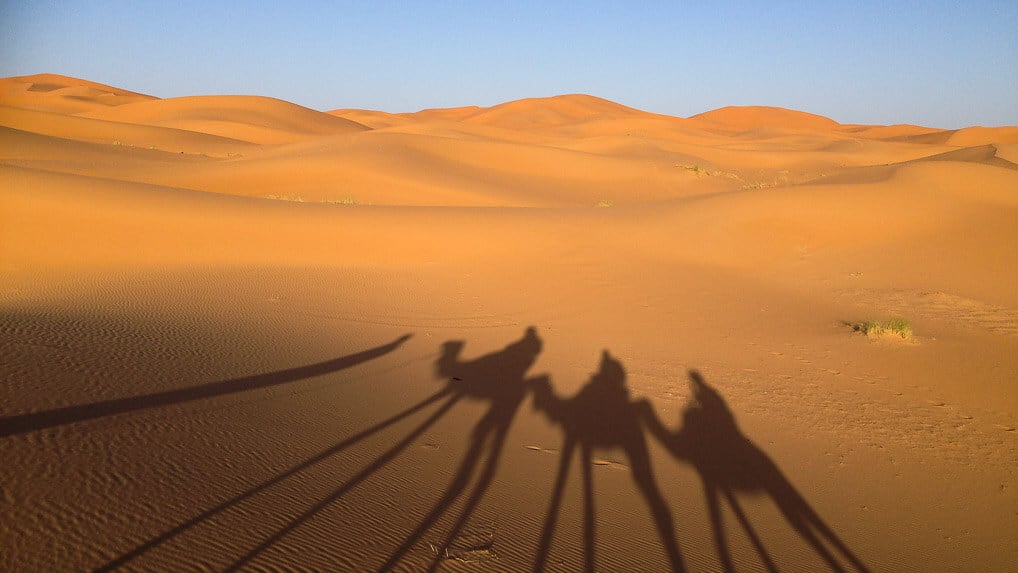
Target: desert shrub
[{"x": 898, "y": 327}]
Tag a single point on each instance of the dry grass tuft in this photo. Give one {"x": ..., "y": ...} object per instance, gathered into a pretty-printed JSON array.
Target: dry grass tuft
[{"x": 894, "y": 327}]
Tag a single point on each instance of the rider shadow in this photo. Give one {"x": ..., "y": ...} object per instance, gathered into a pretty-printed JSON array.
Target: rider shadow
[
  {"x": 728, "y": 462},
  {"x": 601, "y": 415},
  {"x": 499, "y": 379}
]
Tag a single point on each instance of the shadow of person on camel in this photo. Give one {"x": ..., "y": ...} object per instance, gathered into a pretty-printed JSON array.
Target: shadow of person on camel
[
  {"x": 728, "y": 462},
  {"x": 601, "y": 416},
  {"x": 500, "y": 380},
  {"x": 497, "y": 378}
]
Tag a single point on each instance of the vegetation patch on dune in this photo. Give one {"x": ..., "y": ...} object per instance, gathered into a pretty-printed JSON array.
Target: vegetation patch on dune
[
  {"x": 890, "y": 328},
  {"x": 348, "y": 201},
  {"x": 294, "y": 198},
  {"x": 699, "y": 171}
]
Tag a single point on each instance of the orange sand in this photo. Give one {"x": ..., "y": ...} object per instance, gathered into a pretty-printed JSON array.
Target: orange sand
[{"x": 205, "y": 304}]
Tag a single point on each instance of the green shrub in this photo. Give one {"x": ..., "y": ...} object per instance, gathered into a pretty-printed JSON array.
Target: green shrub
[{"x": 899, "y": 327}]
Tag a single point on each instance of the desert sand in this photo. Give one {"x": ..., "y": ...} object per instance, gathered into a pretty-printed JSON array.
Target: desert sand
[{"x": 556, "y": 334}]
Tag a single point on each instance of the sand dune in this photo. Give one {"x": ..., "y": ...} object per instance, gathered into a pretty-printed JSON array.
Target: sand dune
[
  {"x": 370, "y": 118},
  {"x": 902, "y": 132},
  {"x": 249, "y": 118},
  {"x": 61, "y": 94},
  {"x": 972, "y": 136},
  {"x": 240, "y": 334},
  {"x": 555, "y": 111},
  {"x": 744, "y": 118}
]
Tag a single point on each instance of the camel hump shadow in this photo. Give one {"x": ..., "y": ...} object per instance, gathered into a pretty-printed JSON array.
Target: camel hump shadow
[
  {"x": 600, "y": 414},
  {"x": 495, "y": 377}
]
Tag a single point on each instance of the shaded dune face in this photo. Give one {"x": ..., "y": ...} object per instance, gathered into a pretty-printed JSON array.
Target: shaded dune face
[{"x": 206, "y": 360}]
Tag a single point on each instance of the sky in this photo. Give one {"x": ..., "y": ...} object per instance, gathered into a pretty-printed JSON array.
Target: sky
[{"x": 933, "y": 63}]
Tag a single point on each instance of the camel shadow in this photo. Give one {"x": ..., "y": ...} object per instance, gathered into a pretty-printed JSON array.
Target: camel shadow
[
  {"x": 499, "y": 379},
  {"x": 728, "y": 463},
  {"x": 601, "y": 415}
]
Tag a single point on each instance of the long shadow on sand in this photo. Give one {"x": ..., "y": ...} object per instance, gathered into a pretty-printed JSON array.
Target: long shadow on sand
[
  {"x": 297, "y": 469},
  {"x": 728, "y": 462},
  {"x": 497, "y": 378},
  {"x": 601, "y": 415},
  {"x": 34, "y": 421}
]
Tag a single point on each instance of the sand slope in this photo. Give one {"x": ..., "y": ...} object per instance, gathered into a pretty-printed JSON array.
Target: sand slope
[
  {"x": 250, "y": 118},
  {"x": 752, "y": 117},
  {"x": 239, "y": 334},
  {"x": 61, "y": 94}
]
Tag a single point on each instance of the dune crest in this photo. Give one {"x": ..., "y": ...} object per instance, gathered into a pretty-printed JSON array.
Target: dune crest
[
  {"x": 63, "y": 94},
  {"x": 973, "y": 136},
  {"x": 551, "y": 112},
  {"x": 254, "y": 119},
  {"x": 745, "y": 118}
]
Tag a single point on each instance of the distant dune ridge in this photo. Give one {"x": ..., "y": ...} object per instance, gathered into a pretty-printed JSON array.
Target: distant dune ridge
[{"x": 207, "y": 302}]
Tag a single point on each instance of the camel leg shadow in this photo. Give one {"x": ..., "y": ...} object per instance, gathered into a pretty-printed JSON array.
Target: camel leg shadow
[
  {"x": 551, "y": 518},
  {"x": 456, "y": 488},
  {"x": 500, "y": 379},
  {"x": 290, "y": 472},
  {"x": 336, "y": 494},
  {"x": 602, "y": 415},
  {"x": 639, "y": 460}
]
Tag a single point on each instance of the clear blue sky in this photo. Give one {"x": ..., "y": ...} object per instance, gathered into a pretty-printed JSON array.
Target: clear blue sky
[{"x": 942, "y": 64}]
